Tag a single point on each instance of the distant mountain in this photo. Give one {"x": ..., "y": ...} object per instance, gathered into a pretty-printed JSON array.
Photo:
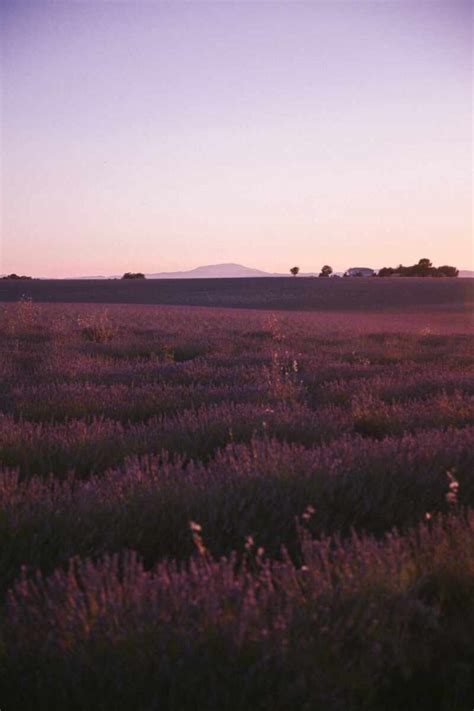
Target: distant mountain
[
  {"x": 213, "y": 271},
  {"x": 466, "y": 273}
]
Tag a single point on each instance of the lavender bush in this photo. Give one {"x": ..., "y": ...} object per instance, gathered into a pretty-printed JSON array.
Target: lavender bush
[{"x": 359, "y": 624}]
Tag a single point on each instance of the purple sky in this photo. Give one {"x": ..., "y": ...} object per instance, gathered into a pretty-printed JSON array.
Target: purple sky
[{"x": 163, "y": 135}]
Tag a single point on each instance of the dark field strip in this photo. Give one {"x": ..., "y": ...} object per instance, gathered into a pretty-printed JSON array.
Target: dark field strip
[
  {"x": 257, "y": 293},
  {"x": 271, "y": 456}
]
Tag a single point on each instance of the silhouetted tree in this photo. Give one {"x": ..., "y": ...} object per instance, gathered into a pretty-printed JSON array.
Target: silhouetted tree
[
  {"x": 325, "y": 271},
  {"x": 16, "y": 276},
  {"x": 446, "y": 271},
  {"x": 424, "y": 268},
  {"x": 133, "y": 275},
  {"x": 294, "y": 270},
  {"x": 386, "y": 271}
]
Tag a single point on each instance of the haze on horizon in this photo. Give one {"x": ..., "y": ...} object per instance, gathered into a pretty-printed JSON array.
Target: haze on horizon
[{"x": 158, "y": 136}]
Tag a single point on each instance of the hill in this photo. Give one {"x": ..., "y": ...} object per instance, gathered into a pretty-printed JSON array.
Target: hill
[{"x": 213, "y": 271}]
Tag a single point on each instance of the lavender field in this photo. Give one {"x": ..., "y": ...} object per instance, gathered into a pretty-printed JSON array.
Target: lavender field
[{"x": 212, "y": 509}]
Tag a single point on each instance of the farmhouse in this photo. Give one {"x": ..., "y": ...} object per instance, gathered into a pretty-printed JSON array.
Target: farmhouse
[{"x": 359, "y": 272}]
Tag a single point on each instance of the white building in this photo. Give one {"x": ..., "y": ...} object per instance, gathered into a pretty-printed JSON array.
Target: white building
[{"x": 359, "y": 272}]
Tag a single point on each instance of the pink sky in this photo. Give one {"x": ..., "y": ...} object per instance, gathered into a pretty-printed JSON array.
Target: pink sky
[{"x": 160, "y": 136}]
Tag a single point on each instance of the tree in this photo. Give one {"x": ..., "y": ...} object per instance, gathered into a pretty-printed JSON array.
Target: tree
[
  {"x": 325, "y": 271},
  {"x": 133, "y": 275},
  {"x": 16, "y": 276},
  {"x": 425, "y": 263},
  {"x": 386, "y": 272},
  {"x": 424, "y": 268},
  {"x": 447, "y": 271},
  {"x": 294, "y": 270}
]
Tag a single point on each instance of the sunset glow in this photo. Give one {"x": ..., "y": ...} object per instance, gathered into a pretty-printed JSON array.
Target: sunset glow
[{"x": 160, "y": 136}]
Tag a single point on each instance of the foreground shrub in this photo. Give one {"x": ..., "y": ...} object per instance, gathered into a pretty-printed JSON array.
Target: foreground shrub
[
  {"x": 97, "y": 327},
  {"x": 359, "y": 625},
  {"x": 21, "y": 319}
]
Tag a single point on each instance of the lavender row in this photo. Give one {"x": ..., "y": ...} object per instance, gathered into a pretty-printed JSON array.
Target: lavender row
[
  {"x": 88, "y": 446},
  {"x": 256, "y": 490},
  {"x": 140, "y": 389},
  {"x": 357, "y": 625}
]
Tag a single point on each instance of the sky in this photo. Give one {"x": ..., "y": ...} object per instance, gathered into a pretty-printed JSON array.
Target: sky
[{"x": 159, "y": 136}]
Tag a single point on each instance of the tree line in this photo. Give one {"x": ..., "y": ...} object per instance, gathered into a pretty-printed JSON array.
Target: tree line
[{"x": 424, "y": 268}]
